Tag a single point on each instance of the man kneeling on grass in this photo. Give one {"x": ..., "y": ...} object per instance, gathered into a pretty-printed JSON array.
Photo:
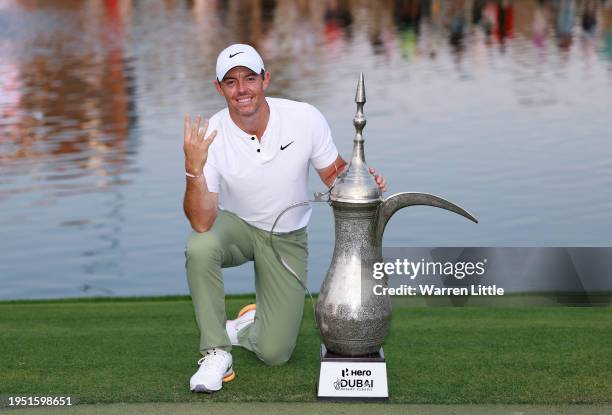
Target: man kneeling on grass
[{"x": 251, "y": 167}]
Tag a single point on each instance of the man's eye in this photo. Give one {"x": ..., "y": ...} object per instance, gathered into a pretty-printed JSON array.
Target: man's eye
[
  {"x": 229, "y": 83},
  {"x": 251, "y": 78}
]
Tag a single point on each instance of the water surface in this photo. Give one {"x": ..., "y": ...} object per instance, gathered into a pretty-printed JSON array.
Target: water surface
[{"x": 501, "y": 107}]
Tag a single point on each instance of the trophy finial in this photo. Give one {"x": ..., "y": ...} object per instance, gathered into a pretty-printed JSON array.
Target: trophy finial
[
  {"x": 360, "y": 97},
  {"x": 356, "y": 184},
  {"x": 359, "y": 121}
]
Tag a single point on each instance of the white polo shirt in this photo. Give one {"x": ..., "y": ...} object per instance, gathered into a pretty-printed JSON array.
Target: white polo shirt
[{"x": 257, "y": 180}]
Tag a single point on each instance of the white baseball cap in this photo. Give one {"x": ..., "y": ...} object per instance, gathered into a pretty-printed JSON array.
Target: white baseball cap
[{"x": 238, "y": 55}]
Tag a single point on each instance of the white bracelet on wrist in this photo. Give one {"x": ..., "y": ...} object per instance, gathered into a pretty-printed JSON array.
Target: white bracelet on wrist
[{"x": 193, "y": 176}]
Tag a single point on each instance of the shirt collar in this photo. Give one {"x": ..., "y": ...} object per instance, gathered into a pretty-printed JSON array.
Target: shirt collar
[{"x": 269, "y": 141}]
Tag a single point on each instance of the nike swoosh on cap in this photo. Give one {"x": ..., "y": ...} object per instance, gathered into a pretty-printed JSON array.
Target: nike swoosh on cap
[{"x": 237, "y": 53}]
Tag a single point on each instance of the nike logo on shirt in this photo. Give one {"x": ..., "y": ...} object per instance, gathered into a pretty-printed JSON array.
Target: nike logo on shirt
[{"x": 284, "y": 147}]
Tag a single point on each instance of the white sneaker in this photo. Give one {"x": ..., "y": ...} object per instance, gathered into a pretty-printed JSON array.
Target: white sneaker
[
  {"x": 245, "y": 317},
  {"x": 215, "y": 368}
]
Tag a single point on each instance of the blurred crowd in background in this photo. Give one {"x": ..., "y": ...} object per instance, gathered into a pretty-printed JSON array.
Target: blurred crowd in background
[{"x": 70, "y": 62}]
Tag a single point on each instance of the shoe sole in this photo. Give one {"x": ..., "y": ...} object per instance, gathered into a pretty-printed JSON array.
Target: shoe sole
[
  {"x": 226, "y": 378},
  {"x": 246, "y": 309}
]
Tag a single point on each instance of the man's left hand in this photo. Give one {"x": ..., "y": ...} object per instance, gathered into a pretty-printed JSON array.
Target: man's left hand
[{"x": 380, "y": 180}]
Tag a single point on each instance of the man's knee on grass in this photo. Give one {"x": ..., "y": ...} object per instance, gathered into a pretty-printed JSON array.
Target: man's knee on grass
[{"x": 274, "y": 354}]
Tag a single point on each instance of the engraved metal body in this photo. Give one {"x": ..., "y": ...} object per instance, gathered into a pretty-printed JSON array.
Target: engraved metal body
[{"x": 352, "y": 320}]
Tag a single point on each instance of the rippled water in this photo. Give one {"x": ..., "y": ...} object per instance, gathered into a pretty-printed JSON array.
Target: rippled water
[{"x": 501, "y": 107}]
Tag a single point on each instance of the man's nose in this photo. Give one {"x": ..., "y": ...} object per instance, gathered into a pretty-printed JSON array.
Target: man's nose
[{"x": 242, "y": 86}]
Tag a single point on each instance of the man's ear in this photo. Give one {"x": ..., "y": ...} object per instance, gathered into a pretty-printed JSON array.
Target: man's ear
[
  {"x": 266, "y": 80},
  {"x": 218, "y": 87}
]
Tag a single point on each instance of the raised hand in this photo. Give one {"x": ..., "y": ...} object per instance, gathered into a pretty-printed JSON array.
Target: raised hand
[
  {"x": 380, "y": 180},
  {"x": 195, "y": 145}
]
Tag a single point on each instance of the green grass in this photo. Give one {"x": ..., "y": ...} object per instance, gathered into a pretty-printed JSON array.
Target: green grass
[
  {"x": 315, "y": 408},
  {"x": 146, "y": 350}
]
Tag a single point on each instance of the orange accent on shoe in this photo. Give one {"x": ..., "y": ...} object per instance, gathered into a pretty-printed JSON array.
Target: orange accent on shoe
[
  {"x": 230, "y": 377},
  {"x": 246, "y": 309}
]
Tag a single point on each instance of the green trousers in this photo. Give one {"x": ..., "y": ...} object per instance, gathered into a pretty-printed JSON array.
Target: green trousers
[{"x": 280, "y": 298}]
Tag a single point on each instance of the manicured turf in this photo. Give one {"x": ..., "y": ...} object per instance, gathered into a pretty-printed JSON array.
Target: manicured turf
[
  {"x": 146, "y": 350},
  {"x": 316, "y": 408}
]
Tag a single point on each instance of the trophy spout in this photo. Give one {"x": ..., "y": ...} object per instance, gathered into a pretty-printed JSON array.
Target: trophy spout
[{"x": 401, "y": 200}]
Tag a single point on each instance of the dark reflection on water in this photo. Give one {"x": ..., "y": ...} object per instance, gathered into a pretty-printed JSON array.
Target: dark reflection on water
[{"x": 501, "y": 106}]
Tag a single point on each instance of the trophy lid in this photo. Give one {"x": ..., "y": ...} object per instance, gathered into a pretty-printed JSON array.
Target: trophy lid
[{"x": 356, "y": 184}]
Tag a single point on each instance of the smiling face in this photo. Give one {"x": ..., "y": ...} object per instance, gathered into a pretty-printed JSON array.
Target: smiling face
[{"x": 243, "y": 90}]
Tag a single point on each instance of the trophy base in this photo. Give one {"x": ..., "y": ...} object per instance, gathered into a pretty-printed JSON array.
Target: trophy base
[{"x": 361, "y": 378}]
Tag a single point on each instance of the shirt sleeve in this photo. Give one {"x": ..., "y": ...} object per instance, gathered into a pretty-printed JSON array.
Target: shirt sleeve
[
  {"x": 324, "y": 151},
  {"x": 212, "y": 176}
]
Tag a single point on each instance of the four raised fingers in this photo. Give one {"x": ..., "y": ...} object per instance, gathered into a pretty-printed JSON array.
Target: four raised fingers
[{"x": 193, "y": 130}]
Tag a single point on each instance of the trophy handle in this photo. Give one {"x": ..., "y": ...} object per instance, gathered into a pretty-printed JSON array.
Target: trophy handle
[{"x": 401, "y": 200}]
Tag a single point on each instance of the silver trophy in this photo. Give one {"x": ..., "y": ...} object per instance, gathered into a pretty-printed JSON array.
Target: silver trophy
[{"x": 353, "y": 321}]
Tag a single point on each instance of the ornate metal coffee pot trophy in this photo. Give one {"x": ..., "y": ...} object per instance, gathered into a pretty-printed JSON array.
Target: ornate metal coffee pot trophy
[{"x": 353, "y": 321}]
